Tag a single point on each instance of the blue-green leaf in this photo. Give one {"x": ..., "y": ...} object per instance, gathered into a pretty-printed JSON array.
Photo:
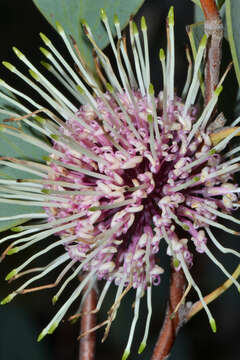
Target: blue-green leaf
[
  {"x": 233, "y": 30},
  {"x": 70, "y": 13},
  {"x": 17, "y": 148}
]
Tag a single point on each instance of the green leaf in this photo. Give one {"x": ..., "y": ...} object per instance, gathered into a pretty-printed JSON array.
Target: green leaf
[
  {"x": 233, "y": 29},
  {"x": 70, "y": 13},
  {"x": 197, "y": 2},
  {"x": 17, "y": 148}
]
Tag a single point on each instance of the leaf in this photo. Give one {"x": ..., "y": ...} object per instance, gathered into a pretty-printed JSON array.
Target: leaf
[
  {"x": 233, "y": 30},
  {"x": 18, "y": 148},
  {"x": 70, "y": 13},
  {"x": 197, "y": 2}
]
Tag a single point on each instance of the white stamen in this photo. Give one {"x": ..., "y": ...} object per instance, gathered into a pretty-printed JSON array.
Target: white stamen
[
  {"x": 140, "y": 53},
  {"x": 19, "y": 187},
  {"x": 102, "y": 296},
  {"x": 33, "y": 203},
  {"x": 127, "y": 117},
  {"x": 25, "y": 216},
  {"x": 192, "y": 282},
  {"x": 57, "y": 318},
  {"x": 19, "y": 183},
  {"x": 62, "y": 110},
  {"x": 55, "y": 222},
  {"x": 189, "y": 75},
  {"x": 120, "y": 67},
  {"x": 147, "y": 259},
  {"x": 146, "y": 52},
  {"x": 47, "y": 84},
  {"x": 13, "y": 236},
  {"x": 198, "y": 161},
  {"x": 90, "y": 79},
  {"x": 147, "y": 326},
  {"x": 230, "y": 162},
  {"x": 44, "y": 251},
  {"x": 104, "y": 60},
  {"x": 229, "y": 276},
  {"x": 21, "y": 195},
  {"x": 67, "y": 67},
  {"x": 221, "y": 214},
  {"x": 125, "y": 56},
  {"x": 216, "y": 224},
  {"x": 235, "y": 122},
  {"x": 60, "y": 69},
  {"x": 202, "y": 121},
  {"x": 107, "y": 235},
  {"x": 171, "y": 54},
  {"x": 156, "y": 127},
  {"x": 151, "y": 137},
  {"x": 232, "y": 152},
  {"x": 71, "y": 89},
  {"x": 134, "y": 322},
  {"x": 187, "y": 184},
  {"x": 82, "y": 170},
  {"x": 57, "y": 262},
  {"x": 219, "y": 246},
  {"x": 168, "y": 241},
  {"x": 136, "y": 60},
  {"x": 192, "y": 93},
  {"x": 117, "y": 300},
  {"x": 165, "y": 85},
  {"x": 229, "y": 169},
  {"x": 23, "y": 168},
  {"x": 37, "y": 237},
  {"x": 112, "y": 206},
  {"x": 177, "y": 221},
  {"x": 221, "y": 146},
  {"x": 52, "y": 182}
]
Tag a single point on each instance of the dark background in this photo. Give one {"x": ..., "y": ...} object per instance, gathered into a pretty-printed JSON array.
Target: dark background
[{"x": 22, "y": 320}]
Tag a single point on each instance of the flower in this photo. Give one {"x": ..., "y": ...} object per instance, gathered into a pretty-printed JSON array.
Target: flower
[{"x": 125, "y": 171}]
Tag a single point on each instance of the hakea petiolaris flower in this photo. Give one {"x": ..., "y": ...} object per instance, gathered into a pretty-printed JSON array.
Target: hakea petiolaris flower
[{"x": 126, "y": 170}]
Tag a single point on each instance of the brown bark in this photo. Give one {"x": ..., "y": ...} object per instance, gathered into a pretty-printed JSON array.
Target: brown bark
[
  {"x": 171, "y": 325},
  {"x": 88, "y": 321},
  {"x": 214, "y": 29}
]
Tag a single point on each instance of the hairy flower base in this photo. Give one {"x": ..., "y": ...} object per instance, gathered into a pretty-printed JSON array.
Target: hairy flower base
[{"x": 126, "y": 171}]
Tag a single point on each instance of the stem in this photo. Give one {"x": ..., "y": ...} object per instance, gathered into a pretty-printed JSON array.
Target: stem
[
  {"x": 210, "y": 9},
  {"x": 88, "y": 321},
  {"x": 214, "y": 30},
  {"x": 171, "y": 325}
]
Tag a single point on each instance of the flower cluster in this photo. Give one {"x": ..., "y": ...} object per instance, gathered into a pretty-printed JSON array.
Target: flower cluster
[{"x": 126, "y": 170}]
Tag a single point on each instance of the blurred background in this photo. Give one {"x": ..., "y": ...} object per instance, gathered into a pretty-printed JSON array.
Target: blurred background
[{"x": 22, "y": 320}]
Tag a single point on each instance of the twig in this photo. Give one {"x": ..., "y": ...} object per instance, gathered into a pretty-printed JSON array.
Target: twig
[
  {"x": 214, "y": 29},
  {"x": 171, "y": 325},
  {"x": 196, "y": 307},
  {"x": 88, "y": 321}
]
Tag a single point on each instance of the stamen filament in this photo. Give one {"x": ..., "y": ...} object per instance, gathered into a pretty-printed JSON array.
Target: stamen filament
[
  {"x": 131, "y": 76},
  {"x": 219, "y": 246},
  {"x": 134, "y": 322},
  {"x": 58, "y": 317},
  {"x": 192, "y": 282},
  {"x": 192, "y": 93},
  {"x": 171, "y": 54},
  {"x": 136, "y": 60},
  {"x": 229, "y": 276},
  {"x": 60, "y": 260},
  {"x": 25, "y": 216},
  {"x": 147, "y": 326}
]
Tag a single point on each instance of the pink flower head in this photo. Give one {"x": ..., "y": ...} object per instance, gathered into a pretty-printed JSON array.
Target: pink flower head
[{"x": 126, "y": 171}]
